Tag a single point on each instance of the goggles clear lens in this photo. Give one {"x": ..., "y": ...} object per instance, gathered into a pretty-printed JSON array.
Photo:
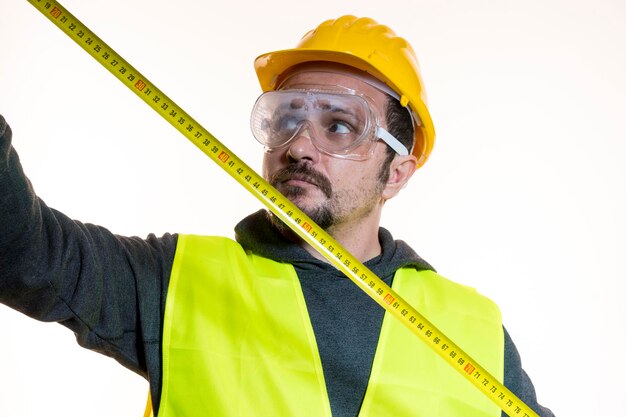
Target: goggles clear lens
[{"x": 340, "y": 124}]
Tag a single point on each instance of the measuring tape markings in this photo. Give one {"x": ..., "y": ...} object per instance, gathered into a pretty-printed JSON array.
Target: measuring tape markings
[{"x": 284, "y": 209}]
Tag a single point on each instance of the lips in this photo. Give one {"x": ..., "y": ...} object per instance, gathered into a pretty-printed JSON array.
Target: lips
[
  {"x": 302, "y": 173},
  {"x": 300, "y": 178}
]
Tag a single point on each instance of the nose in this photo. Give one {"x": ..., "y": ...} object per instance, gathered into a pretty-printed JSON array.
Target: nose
[{"x": 301, "y": 147}]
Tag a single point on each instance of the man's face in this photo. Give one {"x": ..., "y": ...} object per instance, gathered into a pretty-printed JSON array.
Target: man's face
[{"x": 332, "y": 191}]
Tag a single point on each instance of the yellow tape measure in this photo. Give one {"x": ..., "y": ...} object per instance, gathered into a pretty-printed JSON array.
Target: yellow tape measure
[{"x": 284, "y": 209}]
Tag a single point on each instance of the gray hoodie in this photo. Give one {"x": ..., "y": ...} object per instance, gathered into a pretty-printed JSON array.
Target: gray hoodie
[{"x": 111, "y": 290}]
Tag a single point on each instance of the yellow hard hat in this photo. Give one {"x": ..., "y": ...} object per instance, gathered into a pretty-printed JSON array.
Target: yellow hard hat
[{"x": 364, "y": 44}]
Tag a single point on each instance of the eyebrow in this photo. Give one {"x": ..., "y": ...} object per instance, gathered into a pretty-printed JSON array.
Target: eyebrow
[
  {"x": 338, "y": 109},
  {"x": 297, "y": 103}
]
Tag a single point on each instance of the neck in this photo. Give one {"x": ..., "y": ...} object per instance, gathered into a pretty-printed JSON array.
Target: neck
[{"x": 359, "y": 238}]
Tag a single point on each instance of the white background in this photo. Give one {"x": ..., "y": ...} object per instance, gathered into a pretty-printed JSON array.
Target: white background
[{"x": 523, "y": 197}]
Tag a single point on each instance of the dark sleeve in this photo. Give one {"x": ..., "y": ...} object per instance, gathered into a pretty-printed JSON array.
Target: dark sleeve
[
  {"x": 518, "y": 381},
  {"x": 110, "y": 290}
]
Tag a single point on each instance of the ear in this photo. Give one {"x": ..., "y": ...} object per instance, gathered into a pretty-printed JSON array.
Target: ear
[{"x": 401, "y": 170}]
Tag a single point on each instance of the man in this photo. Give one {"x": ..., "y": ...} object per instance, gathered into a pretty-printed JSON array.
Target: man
[{"x": 255, "y": 326}]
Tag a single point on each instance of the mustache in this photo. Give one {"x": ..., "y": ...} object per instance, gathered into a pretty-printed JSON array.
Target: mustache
[{"x": 303, "y": 171}]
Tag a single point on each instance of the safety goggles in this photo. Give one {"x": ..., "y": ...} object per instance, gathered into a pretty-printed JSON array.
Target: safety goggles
[{"x": 339, "y": 123}]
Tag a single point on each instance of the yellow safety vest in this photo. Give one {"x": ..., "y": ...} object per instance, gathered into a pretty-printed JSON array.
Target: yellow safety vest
[{"x": 238, "y": 342}]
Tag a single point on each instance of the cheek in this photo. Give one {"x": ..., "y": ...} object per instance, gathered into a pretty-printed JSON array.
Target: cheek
[
  {"x": 352, "y": 178},
  {"x": 264, "y": 168},
  {"x": 365, "y": 179},
  {"x": 271, "y": 163}
]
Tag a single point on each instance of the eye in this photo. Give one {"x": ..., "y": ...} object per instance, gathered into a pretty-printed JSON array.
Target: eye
[
  {"x": 287, "y": 123},
  {"x": 340, "y": 127}
]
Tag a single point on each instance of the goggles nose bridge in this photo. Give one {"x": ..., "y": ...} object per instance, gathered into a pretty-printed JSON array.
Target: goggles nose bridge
[{"x": 306, "y": 128}]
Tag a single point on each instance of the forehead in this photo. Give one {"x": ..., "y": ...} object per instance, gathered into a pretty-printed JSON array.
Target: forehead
[{"x": 327, "y": 79}]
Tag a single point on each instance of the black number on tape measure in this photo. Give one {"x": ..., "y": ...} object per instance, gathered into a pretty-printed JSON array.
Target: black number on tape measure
[
  {"x": 189, "y": 127},
  {"x": 164, "y": 106},
  {"x": 198, "y": 135},
  {"x": 106, "y": 56},
  {"x": 72, "y": 26},
  {"x": 88, "y": 41},
  {"x": 97, "y": 48},
  {"x": 206, "y": 142},
  {"x": 63, "y": 19},
  {"x": 173, "y": 113},
  {"x": 182, "y": 121},
  {"x": 156, "y": 99},
  {"x": 80, "y": 34},
  {"x": 122, "y": 70},
  {"x": 131, "y": 77}
]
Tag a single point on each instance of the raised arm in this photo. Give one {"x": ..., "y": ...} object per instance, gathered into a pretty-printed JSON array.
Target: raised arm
[{"x": 108, "y": 289}]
